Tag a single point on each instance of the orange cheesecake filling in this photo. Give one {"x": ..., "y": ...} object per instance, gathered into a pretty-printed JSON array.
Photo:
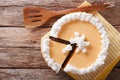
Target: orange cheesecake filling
[{"x": 79, "y": 60}]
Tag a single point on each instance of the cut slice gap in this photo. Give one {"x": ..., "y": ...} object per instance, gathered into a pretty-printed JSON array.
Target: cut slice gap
[
  {"x": 62, "y": 41},
  {"x": 70, "y": 52},
  {"x": 69, "y": 56}
]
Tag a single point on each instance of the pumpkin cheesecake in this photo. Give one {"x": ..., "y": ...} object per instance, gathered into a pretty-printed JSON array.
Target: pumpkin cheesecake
[{"x": 77, "y": 43}]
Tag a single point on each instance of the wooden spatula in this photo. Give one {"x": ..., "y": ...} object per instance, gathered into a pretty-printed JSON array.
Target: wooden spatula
[{"x": 36, "y": 16}]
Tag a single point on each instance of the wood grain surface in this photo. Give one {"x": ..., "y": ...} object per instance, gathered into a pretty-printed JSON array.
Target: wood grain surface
[{"x": 20, "y": 55}]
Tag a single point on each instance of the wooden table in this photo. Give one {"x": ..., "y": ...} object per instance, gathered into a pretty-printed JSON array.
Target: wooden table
[{"x": 20, "y": 55}]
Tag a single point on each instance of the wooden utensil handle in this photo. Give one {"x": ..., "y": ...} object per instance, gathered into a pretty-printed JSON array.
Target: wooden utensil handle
[{"x": 84, "y": 9}]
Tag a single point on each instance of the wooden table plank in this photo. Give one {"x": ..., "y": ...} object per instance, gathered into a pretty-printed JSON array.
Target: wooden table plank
[
  {"x": 11, "y": 11},
  {"x": 21, "y": 37},
  {"x": 64, "y": 3},
  {"x": 114, "y": 75},
  {"x": 32, "y": 74},
  {"x": 44, "y": 74},
  {"x": 118, "y": 65},
  {"x": 21, "y": 58}
]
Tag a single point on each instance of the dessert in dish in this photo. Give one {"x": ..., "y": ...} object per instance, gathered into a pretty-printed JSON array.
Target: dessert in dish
[{"x": 77, "y": 43}]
